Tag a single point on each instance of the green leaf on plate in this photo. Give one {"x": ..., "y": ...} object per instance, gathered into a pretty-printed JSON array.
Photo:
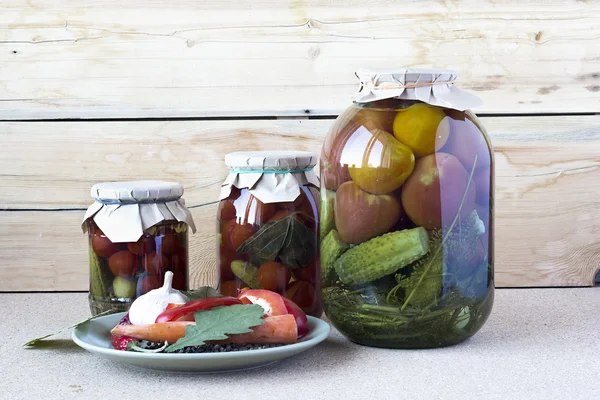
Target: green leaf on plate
[
  {"x": 219, "y": 322},
  {"x": 36, "y": 341}
]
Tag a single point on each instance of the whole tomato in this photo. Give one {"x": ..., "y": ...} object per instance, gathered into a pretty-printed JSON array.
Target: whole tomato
[
  {"x": 123, "y": 263},
  {"x": 103, "y": 247},
  {"x": 143, "y": 246},
  {"x": 226, "y": 210},
  {"x": 304, "y": 295},
  {"x": 234, "y": 234},
  {"x": 155, "y": 263},
  {"x": 168, "y": 244},
  {"x": 379, "y": 163},
  {"x": 273, "y": 276}
]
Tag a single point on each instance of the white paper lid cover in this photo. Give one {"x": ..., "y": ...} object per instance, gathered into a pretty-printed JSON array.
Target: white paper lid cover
[
  {"x": 276, "y": 160},
  {"x": 124, "y": 210},
  {"x": 137, "y": 191},
  {"x": 432, "y": 86},
  {"x": 270, "y": 176}
]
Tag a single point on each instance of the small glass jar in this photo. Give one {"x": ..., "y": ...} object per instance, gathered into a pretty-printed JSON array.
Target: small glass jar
[
  {"x": 267, "y": 226},
  {"x": 407, "y": 213},
  {"x": 137, "y": 231}
]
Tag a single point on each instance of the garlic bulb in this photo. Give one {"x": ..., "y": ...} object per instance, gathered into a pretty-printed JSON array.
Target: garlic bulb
[{"x": 147, "y": 307}]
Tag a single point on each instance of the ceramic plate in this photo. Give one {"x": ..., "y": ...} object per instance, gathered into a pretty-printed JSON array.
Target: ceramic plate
[{"x": 94, "y": 337}]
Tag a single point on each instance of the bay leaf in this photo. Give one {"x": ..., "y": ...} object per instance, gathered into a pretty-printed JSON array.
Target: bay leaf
[{"x": 287, "y": 239}]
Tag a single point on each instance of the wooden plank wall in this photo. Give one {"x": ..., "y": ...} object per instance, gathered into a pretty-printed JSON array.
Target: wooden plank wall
[{"x": 110, "y": 68}]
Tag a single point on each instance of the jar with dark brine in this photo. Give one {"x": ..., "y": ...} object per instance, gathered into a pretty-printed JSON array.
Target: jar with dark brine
[
  {"x": 407, "y": 213},
  {"x": 267, "y": 225},
  {"x": 137, "y": 231}
]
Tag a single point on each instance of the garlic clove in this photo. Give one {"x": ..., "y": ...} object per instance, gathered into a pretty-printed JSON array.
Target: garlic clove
[{"x": 147, "y": 307}]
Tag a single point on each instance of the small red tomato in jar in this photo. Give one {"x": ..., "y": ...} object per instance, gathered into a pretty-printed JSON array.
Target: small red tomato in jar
[
  {"x": 155, "y": 263},
  {"x": 148, "y": 283},
  {"x": 180, "y": 281},
  {"x": 123, "y": 263},
  {"x": 308, "y": 274},
  {"x": 280, "y": 215},
  {"x": 229, "y": 288},
  {"x": 167, "y": 244},
  {"x": 143, "y": 246},
  {"x": 226, "y": 210},
  {"x": 179, "y": 260},
  {"x": 233, "y": 234},
  {"x": 273, "y": 276},
  {"x": 303, "y": 294},
  {"x": 103, "y": 247}
]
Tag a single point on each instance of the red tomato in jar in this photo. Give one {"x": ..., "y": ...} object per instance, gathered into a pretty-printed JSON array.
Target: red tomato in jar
[
  {"x": 303, "y": 294},
  {"x": 180, "y": 281},
  {"x": 143, "y": 246},
  {"x": 155, "y": 263},
  {"x": 235, "y": 193},
  {"x": 226, "y": 210},
  {"x": 280, "y": 215},
  {"x": 273, "y": 276},
  {"x": 252, "y": 211},
  {"x": 148, "y": 283},
  {"x": 229, "y": 288},
  {"x": 167, "y": 244},
  {"x": 179, "y": 260},
  {"x": 123, "y": 263},
  {"x": 234, "y": 234},
  {"x": 308, "y": 274},
  {"x": 103, "y": 247}
]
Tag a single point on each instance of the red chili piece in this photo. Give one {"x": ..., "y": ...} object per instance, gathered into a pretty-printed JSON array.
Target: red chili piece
[{"x": 174, "y": 314}]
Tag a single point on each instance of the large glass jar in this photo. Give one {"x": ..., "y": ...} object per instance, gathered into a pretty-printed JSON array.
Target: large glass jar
[
  {"x": 267, "y": 226},
  {"x": 407, "y": 214},
  {"x": 137, "y": 231}
]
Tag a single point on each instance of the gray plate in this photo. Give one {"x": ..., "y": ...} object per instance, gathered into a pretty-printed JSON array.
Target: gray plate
[{"x": 94, "y": 337}]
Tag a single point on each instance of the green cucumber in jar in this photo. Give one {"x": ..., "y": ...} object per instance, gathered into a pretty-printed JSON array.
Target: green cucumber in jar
[{"x": 381, "y": 256}]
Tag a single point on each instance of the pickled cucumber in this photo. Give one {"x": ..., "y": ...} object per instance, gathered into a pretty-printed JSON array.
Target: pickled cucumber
[
  {"x": 331, "y": 248},
  {"x": 99, "y": 281},
  {"x": 327, "y": 217},
  {"x": 246, "y": 272},
  {"x": 381, "y": 256}
]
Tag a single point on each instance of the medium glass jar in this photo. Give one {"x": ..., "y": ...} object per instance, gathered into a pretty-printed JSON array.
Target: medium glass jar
[
  {"x": 267, "y": 226},
  {"x": 407, "y": 214},
  {"x": 137, "y": 231}
]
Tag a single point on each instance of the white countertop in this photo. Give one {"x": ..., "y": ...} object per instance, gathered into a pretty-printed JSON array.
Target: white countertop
[{"x": 537, "y": 344}]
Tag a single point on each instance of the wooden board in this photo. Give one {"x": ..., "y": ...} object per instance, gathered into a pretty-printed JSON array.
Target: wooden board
[
  {"x": 547, "y": 190},
  {"x": 183, "y": 58}
]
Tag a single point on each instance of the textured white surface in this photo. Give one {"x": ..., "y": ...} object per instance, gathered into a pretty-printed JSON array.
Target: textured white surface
[{"x": 537, "y": 344}]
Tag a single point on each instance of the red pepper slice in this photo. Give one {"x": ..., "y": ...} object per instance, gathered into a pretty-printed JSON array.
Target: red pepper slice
[
  {"x": 299, "y": 315},
  {"x": 187, "y": 310},
  {"x": 120, "y": 342},
  {"x": 272, "y": 302}
]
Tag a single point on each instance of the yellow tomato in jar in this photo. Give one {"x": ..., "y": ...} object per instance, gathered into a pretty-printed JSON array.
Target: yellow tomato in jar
[
  {"x": 422, "y": 127},
  {"x": 377, "y": 162}
]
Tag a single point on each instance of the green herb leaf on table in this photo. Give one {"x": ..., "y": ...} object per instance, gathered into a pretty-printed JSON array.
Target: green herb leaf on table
[
  {"x": 36, "y": 341},
  {"x": 219, "y": 322},
  {"x": 287, "y": 238},
  {"x": 201, "y": 293}
]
